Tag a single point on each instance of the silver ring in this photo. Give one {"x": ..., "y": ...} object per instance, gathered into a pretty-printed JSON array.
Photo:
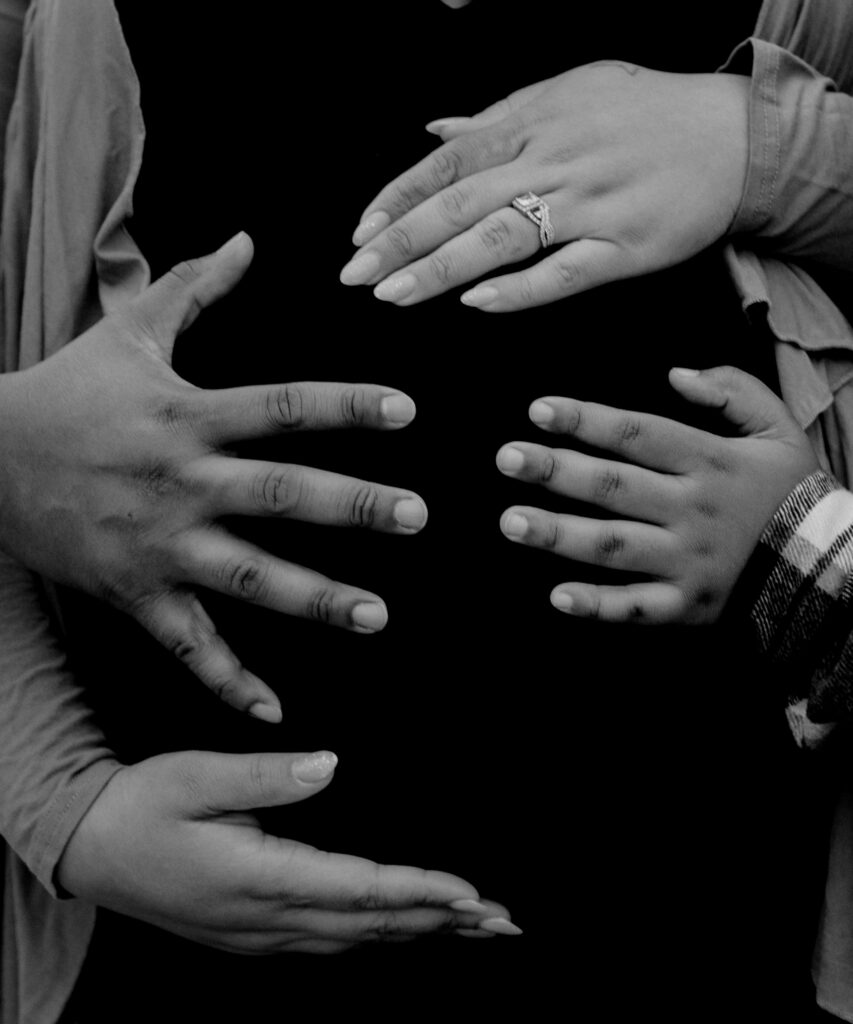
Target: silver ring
[{"x": 539, "y": 212}]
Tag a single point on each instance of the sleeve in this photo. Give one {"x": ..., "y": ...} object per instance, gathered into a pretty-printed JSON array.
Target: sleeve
[
  {"x": 798, "y": 197},
  {"x": 53, "y": 759},
  {"x": 803, "y": 612}
]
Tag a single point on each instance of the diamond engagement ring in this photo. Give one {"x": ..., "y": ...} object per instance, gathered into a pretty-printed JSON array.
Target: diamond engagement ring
[{"x": 539, "y": 212}]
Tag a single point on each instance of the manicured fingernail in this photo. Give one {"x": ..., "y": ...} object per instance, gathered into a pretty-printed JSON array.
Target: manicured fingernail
[
  {"x": 500, "y": 926},
  {"x": 440, "y": 123},
  {"x": 315, "y": 767},
  {"x": 232, "y": 242},
  {"x": 515, "y": 526},
  {"x": 684, "y": 372},
  {"x": 392, "y": 289},
  {"x": 369, "y": 618},
  {"x": 370, "y": 227},
  {"x": 360, "y": 269},
  {"x": 541, "y": 413},
  {"x": 266, "y": 712},
  {"x": 562, "y": 601},
  {"x": 410, "y": 513},
  {"x": 480, "y": 297},
  {"x": 509, "y": 459},
  {"x": 398, "y": 409},
  {"x": 470, "y": 906}
]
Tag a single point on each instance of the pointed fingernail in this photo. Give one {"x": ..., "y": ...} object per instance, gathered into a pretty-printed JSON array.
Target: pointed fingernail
[
  {"x": 266, "y": 712},
  {"x": 541, "y": 413},
  {"x": 440, "y": 123},
  {"x": 684, "y": 372},
  {"x": 562, "y": 601},
  {"x": 360, "y": 269},
  {"x": 369, "y": 618},
  {"x": 509, "y": 460},
  {"x": 393, "y": 289},
  {"x": 410, "y": 513},
  {"x": 515, "y": 526},
  {"x": 469, "y": 906},
  {"x": 315, "y": 767},
  {"x": 479, "y": 298},
  {"x": 398, "y": 409},
  {"x": 370, "y": 227},
  {"x": 500, "y": 926}
]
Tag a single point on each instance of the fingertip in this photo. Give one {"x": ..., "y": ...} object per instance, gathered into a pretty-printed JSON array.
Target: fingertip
[
  {"x": 370, "y": 227},
  {"x": 563, "y": 601},
  {"x": 315, "y": 768},
  {"x": 239, "y": 245},
  {"x": 265, "y": 712},
  {"x": 369, "y": 617},
  {"x": 398, "y": 410},
  {"x": 541, "y": 413}
]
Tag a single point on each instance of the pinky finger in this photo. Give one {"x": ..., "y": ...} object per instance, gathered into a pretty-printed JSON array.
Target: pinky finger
[
  {"x": 180, "y": 623},
  {"x": 641, "y": 603},
  {"x": 577, "y": 267}
]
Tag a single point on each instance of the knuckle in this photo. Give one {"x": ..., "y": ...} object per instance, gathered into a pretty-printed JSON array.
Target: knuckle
[
  {"x": 321, "y": 605},
  {"x": 528, "y": 293},
  {"x": 626, "y": 432},
  {"x": 278, "y": 491},
  {"x": 455, "y": 203},
  {"x": 567, "y": 275},
  {"x": 245, "y": 579},
  {"x": 158, "y": 478},
  {"x": 447, "y": 166},
  {"x": 285, "y": 407},
  {"x": 552, "y": 535},
  {"x": 496, "y": 237},
  {"x": 362, "y": 506},
  {"x": 442, "y": 267},
  {"x": 188, "y": 271},
  {"x": 608, "y": 546},
  {"x": 399, "y": 239},
  {"x": 353, "y": 407},
  {"x": 606, "y": 486},
  {"x": 547, "y": 468}
]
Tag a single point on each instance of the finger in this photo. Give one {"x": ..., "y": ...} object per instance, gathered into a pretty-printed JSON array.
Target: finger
[
  {"x": 641, "y": 438},
  {"x": 336, "y": 881},
  {"x": 240, "y": 414},
  {"x": 179, "y": 622},
  {"x": 642, "y": 603},
  {"x": 451, "y": 127},
  {"x": 213, "y": 783},
  {"x": 248, "y": 488},
  {"x": 373, "y": 925},
  {"x": 616, "y": 486},
  {"x": 174, "y": 301},
  {"x": 742, "y": 399},
  {"x": 220, "y": 562},
  {"x": 576, "y": 267},
  {"x": 450, "y": 163},
  {"x": 613, "y": 544}
]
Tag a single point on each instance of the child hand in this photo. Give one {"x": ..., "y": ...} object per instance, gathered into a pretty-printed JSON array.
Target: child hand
[{"x": 692, "y": 504}]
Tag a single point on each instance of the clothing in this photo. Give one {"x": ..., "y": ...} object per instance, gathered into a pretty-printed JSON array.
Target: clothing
[{"x": 461, "y": 661}]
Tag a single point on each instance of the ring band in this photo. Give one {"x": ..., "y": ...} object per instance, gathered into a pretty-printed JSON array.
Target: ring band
[{"x": 539, "y": 212}]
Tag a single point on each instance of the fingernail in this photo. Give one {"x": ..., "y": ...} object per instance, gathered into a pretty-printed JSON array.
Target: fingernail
[
  {"x": 500, "y": 926},
  {"x": 479, "y": 297},
  {"x": 472, "y": 906},
  {"x": 360, "y": 269},
  {"x": 315, "y": 767},
  {"x": 369, "y": 618},
  {"x": 509, "y": 459},
  {"x": 392, "y": 289},
  {"x": 232, "y": 242},
  {"x": 440, "y": 123},
  {"x": 266, "y": 712},
  {"x": 541, "y": 413},
  {"x": 515, "y": 526},
  {"x": 410, "y": 513},
  {"x": 370, "y": 227},
  {"x": 397, "y": 409},
  {"x": 684, "y": 372},
  {"x": 562, "y": 601}
]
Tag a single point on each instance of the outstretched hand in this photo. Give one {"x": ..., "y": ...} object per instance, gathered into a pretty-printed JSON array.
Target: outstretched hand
[
  {"x": 690, "y": 506},
  {"x": 172, "y": 841},
  {"x": 113, "y": 477},
  {"x": 641, "y": 169}
]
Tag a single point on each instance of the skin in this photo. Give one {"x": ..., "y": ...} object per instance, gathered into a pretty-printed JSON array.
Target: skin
[
  {"x": 114, "y": 473},
  {"x": 173, "y": 841},
  {"x": 641, "y": 170},
  {"x": 690, "y": 506}
]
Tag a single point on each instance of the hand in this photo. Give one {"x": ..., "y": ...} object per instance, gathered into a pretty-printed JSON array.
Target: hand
[
  {"x": 171, "y": 841},
  {"x": 640, "y": 169},
  {"x": 694, "y": 504},
  {"x": 113, "y": 477}
]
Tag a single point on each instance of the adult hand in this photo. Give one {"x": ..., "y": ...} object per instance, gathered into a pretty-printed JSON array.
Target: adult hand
[
  {"x": 640, "y": 169},
  {"x": 113, "y": 475},
  {"x": 171, "y": 841},
  {"x": 694, "y": 504}
]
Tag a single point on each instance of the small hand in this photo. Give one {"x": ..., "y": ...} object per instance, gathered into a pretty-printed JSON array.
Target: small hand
[
  {"x": 641, "y": 169},
  {"x": 692, "y": 504},
  {"x": 114, "y": 475},
  {"x": 172, "y": 841}
]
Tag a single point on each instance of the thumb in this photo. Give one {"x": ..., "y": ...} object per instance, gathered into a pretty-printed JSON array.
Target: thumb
[
  {"x": 742, "y": 399},
  {"x": 450, "y": 127},
  {"x": 242, "y": 782},
  {"x": 174, "y": 301}
]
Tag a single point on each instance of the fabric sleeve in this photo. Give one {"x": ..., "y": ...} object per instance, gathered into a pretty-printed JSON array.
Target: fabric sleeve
[
  {"x": 803, "y": 613},
  {"x": 798, "y": 197},
  {"x": 53, "y": 759}
]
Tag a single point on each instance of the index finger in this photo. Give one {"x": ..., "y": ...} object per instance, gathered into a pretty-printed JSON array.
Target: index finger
[
  {"x": 638, "y": 437},
  {"x": 244, "y": 413}
]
